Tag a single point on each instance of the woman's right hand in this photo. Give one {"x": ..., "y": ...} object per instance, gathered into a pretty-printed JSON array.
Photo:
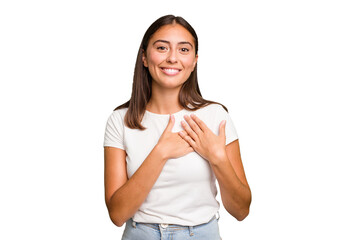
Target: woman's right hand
[{"x": 170, "y": 144}]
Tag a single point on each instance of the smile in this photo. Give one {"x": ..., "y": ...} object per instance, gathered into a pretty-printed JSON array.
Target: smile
[{"x": 170, "y": 71}]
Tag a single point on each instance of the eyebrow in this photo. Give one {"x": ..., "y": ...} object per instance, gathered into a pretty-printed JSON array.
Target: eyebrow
[{"x": 164, "y": 41}]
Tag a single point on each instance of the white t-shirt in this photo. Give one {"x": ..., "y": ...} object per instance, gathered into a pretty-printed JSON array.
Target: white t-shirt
[{"x": 185, "y": 191}]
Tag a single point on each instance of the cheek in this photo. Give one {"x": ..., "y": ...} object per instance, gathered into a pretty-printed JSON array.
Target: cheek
[
  {"x": 189, "y": 63},
  {"x": 155, "y": 59}
]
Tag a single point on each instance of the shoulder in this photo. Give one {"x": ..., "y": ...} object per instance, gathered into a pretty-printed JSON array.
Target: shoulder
[
  {"x": 212, "y": 114},
  {"x": 116, "y": 118},
  {"x": 214, "y": 109},
  {"x": 119, "y": 113}
]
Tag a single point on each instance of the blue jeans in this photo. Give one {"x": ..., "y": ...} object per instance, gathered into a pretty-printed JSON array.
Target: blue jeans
[{"x": 150, "y": 231}]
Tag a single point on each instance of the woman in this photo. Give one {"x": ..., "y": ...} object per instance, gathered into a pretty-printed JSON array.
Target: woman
[{"x": 160, "y": 163}]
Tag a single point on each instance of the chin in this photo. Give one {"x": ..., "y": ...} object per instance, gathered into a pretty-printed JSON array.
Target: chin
[{"x": 170, "y": 84}]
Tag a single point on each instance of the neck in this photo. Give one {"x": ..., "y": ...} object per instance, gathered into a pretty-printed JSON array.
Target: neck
[{"x": 164, "y": 101}]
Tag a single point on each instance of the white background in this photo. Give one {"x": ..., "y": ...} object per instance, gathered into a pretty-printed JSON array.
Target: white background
[{"x": 288, "y": 71}]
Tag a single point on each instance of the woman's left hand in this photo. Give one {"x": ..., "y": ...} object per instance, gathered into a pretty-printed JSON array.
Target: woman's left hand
[{"x": 202, "y": 139}]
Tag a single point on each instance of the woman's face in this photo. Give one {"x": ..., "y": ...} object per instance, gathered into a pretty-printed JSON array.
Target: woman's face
[{"x": 170, "y": 56}]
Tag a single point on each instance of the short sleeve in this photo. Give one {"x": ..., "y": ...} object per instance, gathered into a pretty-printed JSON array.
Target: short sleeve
[
  {"x": 114, "y": 131},
  {"x": 230, "y": 130}
]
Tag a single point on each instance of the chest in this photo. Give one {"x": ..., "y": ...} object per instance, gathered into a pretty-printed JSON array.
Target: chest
[{"x": 186, "y": 169}]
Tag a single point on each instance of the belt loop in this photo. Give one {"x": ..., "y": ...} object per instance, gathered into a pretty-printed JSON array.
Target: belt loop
[
  {"x": 133, "y": 223},
  {"x": 191, "y": 231},
  {"x": 217, "y": 215}
]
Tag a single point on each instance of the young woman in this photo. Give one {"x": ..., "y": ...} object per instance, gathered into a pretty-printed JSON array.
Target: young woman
[{"x": 166, "y": 146}]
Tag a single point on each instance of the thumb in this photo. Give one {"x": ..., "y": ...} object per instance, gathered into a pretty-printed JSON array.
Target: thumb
[
  {"x": 222, "y": 128},
  {"x": 170, "y": 124}
]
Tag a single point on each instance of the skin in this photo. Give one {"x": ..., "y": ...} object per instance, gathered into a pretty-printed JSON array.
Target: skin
[
  {"x": 172, "y": 46},
  {"x": 177, "y": 53},
  {"x": 225, "y": 161}
]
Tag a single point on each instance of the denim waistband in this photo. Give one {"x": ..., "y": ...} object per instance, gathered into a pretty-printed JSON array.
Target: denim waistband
[
  {"x": 165, "y": 225},
  {"x": 152, "y": 231}
]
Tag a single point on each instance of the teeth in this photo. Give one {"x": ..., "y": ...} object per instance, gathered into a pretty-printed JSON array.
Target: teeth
[{"x": 171, "y": 70}]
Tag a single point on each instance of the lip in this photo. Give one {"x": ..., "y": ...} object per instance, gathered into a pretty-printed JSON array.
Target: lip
[{"x": 170, "y": 71}]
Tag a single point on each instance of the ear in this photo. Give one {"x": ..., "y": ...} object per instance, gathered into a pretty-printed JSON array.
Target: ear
[
  {"x": 144, "y": 58},
  {"x": 195, "y": 61}
]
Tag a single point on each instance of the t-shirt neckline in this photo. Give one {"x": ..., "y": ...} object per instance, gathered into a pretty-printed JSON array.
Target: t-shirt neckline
[{"x": 164, "y": 115}]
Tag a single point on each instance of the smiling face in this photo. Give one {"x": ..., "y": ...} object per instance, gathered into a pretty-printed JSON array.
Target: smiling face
[{"x": 170, "y": 56}]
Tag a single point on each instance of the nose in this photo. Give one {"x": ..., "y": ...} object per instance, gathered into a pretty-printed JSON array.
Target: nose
[{"x": 172, "y": 58}]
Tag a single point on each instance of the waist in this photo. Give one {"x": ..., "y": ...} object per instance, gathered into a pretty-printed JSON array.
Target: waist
[{"x": 170, "y": 227}]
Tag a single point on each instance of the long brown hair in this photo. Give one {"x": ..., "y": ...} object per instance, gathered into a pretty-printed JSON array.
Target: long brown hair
[{"x": 141, "y": 89}]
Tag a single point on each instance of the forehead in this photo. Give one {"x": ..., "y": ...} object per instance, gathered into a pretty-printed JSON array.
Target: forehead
[{"x": 173, "y": 33}]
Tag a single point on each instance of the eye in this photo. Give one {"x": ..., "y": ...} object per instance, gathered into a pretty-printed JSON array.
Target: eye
[
  {"x": 184, "y": 49},
  {"x": 161, "y": 48}
]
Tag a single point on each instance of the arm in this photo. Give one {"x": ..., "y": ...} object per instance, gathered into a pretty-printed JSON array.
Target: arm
[
  {"x": 234, "y": 188},
  {"x": 225, "y": 162},
  {"x": 124, "y": 197}
]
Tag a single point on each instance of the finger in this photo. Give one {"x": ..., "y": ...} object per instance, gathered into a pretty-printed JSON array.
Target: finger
[
  {"x": 189, "y": 140},
  {"x": 170, "y": 124},
  {"x": 189, "y": 149},
  {"x": 199, "y": 122},
  {"x": 184, "y": 135},
  {"x": 189, "y": 131},
  {"x": 193, "y": 125}
]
